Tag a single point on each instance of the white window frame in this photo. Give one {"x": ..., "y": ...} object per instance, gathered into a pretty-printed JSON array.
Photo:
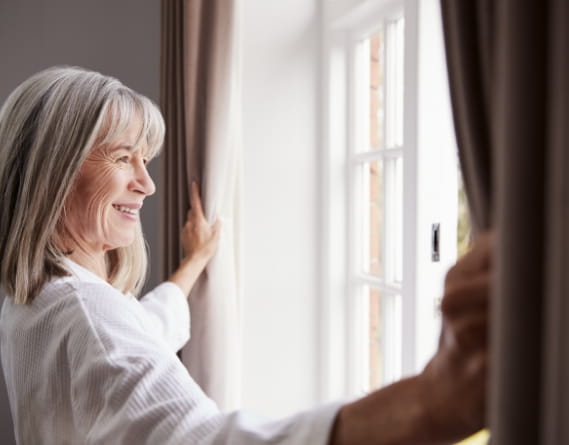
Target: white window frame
[
  {"x": 390, "y": 290},
  {"x": 345, "y": 21}
]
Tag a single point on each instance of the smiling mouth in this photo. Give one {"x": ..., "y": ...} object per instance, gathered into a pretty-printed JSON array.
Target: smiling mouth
[{"x": 126, "y": 210}]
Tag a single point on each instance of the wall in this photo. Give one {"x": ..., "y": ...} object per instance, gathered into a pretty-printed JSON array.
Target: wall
[
  {"x": 280, "y": 102},
  {"x": 119, "y": 38},
  {"x": 280, "y": 139}
]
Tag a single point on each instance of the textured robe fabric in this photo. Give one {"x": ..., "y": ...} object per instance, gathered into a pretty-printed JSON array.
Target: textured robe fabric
[{"x": 85, "y": 364}]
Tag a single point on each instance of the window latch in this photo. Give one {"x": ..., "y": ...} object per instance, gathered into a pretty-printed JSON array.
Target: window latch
[{"x": 436, "y": 242}]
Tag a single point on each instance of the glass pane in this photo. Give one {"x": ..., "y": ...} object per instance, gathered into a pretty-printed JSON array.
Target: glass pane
[
  {"x": 394, "y": 79},
  {"x": 379, "y": 89},
  {"x": 376, "y": 91},
  {"x": 399, "y": 78},
  {"x": 374, "y": 220},
  {"x": 375, "y": 340},
  {"x": 384, "y": 338}
]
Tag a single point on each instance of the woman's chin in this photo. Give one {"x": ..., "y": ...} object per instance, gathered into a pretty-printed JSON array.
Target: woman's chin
[{"x": 118, "y": 244}]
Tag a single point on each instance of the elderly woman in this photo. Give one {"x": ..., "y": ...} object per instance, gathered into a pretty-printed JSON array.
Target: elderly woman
[{"x": 87, "y": 362}]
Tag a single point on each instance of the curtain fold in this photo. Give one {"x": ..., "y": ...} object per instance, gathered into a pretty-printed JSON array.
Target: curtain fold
[
  {"x": 508, "y": 75},
  {"x": 200, "y": 100},
  {"x": 555, "y": 393},
  {"x": 468, "y": 30}
]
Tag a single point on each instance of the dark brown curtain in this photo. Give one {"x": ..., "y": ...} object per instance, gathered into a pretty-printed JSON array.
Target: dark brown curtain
[
  {"x": 200, "y": 84},
  {"x": 175, "y": 155},
  {"x": 509, "y": 77}
]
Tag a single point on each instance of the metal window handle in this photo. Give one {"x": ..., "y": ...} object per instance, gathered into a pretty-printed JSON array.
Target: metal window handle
[{"x": 436, "y": 242}]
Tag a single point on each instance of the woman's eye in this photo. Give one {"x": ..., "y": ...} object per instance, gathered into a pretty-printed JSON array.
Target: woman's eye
[{"x": 123, "y": 159}]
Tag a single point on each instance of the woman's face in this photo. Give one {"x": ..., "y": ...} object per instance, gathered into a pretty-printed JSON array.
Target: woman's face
[{"x": 102, "y": 211}]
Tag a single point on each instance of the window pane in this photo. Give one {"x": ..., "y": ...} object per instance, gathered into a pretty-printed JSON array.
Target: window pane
[
  {"x": 376, "y": 91},
  {"x": 399, "y": 78},
  {"x": 374, "y": 220},
  {"x": 382, "y": 220},
  {"x": 394, "y": 78},
  {"x": 375, "y": 340},
  {"x": 384, "y": 338},
  {"x": 380, "y": 88}
]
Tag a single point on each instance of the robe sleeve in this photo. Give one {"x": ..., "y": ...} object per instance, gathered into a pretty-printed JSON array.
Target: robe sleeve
[
  {"x": 128, "y": 388},
  {"x": 167, "y": 308}
]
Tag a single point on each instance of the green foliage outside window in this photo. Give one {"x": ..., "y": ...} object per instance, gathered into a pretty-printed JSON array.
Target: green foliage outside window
[{"x": 463, "y": 223}]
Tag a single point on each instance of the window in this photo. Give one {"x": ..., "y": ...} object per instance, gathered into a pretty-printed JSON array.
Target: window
[
  {"x": 376, "y": 168},
  {"x": 389, "y": 181}
]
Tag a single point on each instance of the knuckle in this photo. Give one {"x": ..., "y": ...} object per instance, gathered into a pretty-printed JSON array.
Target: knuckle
[
  {"x": 450, "y": 276},
  {"x": 450, "y": 301},
  {"x": 477, "y": 366}
]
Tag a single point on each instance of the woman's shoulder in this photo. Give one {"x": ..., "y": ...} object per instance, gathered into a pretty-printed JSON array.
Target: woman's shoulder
[
  {"x": 96, "y": 302},
  {"x": 61, "y": 294},
  {"x": 74, "y": 293},
  {"x": 71, "y": 305},
  {"x": 93, "y": 311},
  {"x": 66, "y": 307}
]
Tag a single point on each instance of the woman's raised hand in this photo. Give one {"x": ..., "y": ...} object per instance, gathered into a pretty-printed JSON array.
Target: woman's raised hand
[
  {"x": 199, "y": 237},
  {"x": 199, "y": 240}
]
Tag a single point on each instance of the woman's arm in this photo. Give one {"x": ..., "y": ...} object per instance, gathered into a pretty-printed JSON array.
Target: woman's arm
[
  {"x": 127, "y": 388},
  {"x": 166, "y": 306},
  {"x": 446, "y": 401},
  {"x": 199, "y": 240}
]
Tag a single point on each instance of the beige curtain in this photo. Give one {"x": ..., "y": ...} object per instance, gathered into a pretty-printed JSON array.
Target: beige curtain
[
  {"x": 200, "y": 87},
  {"x": 509, "y": 77}
]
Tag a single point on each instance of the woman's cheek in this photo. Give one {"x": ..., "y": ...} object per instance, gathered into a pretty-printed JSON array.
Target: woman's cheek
[{"x": 103, "y": 190}]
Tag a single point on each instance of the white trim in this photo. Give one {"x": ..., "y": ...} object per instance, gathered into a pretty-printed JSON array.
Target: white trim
[
  {"x": 436, "y": 179},
  {"x": 392, "y": 340},
  {"x": 361, "y": 15},
  {"x": 334, "y": 231},
  {"x": 354, "y": 306},
  {"x": 377, "y": 155},
  {"x": 389, "y": 205},
  {"x": 410, "y": 186},
  {"x": 369, "y": 280}
]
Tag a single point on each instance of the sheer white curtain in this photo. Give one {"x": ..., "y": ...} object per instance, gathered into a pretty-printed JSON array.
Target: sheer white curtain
[{"x": 200, "y": 98}]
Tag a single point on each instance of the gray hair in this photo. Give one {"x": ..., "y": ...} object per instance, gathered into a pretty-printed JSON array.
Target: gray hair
[{"x": 48, "y": 126}]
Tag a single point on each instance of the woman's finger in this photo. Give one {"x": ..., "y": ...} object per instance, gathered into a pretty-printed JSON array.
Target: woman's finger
[
  {"x": 468, "y": 295},
  {"x": 468, "y": 333},
  {"x": 216, "y": 228},
  {"x": 196, "y": 201},
  {"x": 479, "y": 259}
]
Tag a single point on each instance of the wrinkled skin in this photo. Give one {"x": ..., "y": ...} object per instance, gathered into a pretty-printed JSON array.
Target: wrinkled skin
[{"x": 112, "y": 175}]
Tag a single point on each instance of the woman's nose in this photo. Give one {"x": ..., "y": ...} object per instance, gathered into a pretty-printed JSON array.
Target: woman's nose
[{"x": 143, "y": 183}]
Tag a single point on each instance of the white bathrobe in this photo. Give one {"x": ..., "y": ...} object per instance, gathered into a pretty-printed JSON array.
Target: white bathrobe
[{"x": 85, "y": 364}]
